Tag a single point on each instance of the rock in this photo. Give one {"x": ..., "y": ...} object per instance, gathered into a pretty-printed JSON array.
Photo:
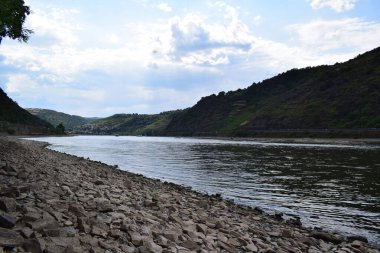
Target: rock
[
  {"x": 68, "y": 190},
  {"x": 41, "y": 224},
  {"x": 233, "y": 242},
  {"x": 103, "y": 205},
  {"x": 7, "y": 221},
  {"x": 278, "y": 215},
  {"x": 9, "y": 238},
  {"x": 8, "y": 204},
  {"x": 287, "y": 233},
  {"x": 296, "y": 221},
  {"x": 189, "y": 244},
  {"x": 77, "y": 209},
  {"x": 31, "y": 216},
  {"x": 82, "y": 225},
  {"x": 336, "y": 239},
  {"x": 251, "y": 247},
  {"x": 52, "y": 248},
  {"x": 8, "y": 170},
  {"x": 201, "y": 228},
  {"x": 95, "y": 230},
  {"x": 357, "y": 238},
  {"x": 127, "y": 249},
  {"x": 136, "y": 238},
  {"x": 150, "y": 247},
  {"x": 70, "y": 231},
  {"x": 33, "y": 246},
  {"x": 26, "y": 232},
  {"x": 219, "y": 224},
  {"x": 228, "y": 248},
  {"x": 55, "y": 232},
  {"x": 99, "y": 182},
  {"x": 172, "y": 236}
]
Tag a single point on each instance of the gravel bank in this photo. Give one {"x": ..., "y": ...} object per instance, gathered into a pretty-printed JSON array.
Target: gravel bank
[{"x": 53, "y": 202}]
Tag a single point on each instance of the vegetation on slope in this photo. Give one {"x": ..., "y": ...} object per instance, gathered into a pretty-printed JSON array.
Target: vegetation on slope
[
  {"x": 129, "y": 124},
  {"x": 344, "y": 95},
  {"x": 55, "y": 118},
  {"x": 11, "y": 112},
  {"x": 16, "y": 120}
]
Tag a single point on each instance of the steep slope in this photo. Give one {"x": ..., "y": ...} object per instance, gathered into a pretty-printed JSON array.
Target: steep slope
[
  {"x": 14, "y": 119},
  {"x": 129, "y": 124},
  {"x": 55, "y": 118},
  {"x": 341, "y": 96}
]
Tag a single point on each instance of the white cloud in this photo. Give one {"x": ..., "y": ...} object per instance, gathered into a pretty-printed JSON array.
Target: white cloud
[
  {"x": 164, "y": 7},
  {"x": 257, "y": 20},
  {"x": 196, "y": 40},
  {"x": 19, "y": 83},
  {"x": 350, "y": 34},
  {"x": 336, "y": 5}
]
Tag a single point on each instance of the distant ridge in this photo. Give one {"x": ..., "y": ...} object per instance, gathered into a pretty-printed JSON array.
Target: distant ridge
[
  {"x": 129, "y": 124},
  {"x": 341, "y": 96},
  {"x": 55, "y": 118},
  {"x": 16, "y": 120}
]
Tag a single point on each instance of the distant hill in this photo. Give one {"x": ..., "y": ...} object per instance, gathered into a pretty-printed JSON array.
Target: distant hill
[
  {"x": 341, "y": 96},
  {"x": 55, "y": 118},
  {"x": 129, "y": 124},
  {"x": 16, "y": 120}
]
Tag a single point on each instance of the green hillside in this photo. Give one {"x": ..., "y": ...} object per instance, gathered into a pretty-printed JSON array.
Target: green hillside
[
  {"x": 341, "y": 96},
  {"x": 129, "y": 124},
  {"x": 14, "y": 119},
  {"x": 54, "y": 118}
]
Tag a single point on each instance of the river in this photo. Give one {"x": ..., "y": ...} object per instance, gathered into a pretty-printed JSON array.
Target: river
[{"x": 334, "y": 187}]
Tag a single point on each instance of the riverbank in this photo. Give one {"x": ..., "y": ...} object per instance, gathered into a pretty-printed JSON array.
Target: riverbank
[{"x": 61, "y": 203}]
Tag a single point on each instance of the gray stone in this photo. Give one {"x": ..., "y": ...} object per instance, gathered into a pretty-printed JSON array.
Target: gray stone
[
  {"x": 26, "y": 232},
  {"x": 336, "y": 239},
  {"x": 150, "y": 247},
  {"x": 9, "y": 238},
  {"x": 7, "y": 221},
  {"x": 41, "y": 224},
  {"x": 8, "y": 204},
  {"x": 189, "y": 244},
  {"x": 33, "y": 246}
]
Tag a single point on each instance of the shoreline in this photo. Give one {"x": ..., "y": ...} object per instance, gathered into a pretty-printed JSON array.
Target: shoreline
[{"x": 70, "y": 204}]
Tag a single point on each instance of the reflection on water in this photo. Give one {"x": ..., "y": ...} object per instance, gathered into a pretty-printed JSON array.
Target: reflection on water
[{"x": 328, "y": 186}]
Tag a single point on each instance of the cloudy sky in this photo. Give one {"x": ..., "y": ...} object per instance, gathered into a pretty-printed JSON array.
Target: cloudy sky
[{"x": 97, "y": 58}]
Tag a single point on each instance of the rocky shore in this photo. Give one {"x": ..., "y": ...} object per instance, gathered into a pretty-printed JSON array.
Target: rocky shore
[{"x": 54, "y": 202}]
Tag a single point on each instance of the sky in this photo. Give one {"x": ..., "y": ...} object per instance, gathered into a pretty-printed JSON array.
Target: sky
[{"x": 95, "y": 58}]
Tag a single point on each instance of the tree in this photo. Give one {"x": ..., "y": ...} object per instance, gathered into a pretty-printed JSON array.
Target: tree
[
  {"x": 12, "y": 17},
  {"x": 60, "y": 129}
]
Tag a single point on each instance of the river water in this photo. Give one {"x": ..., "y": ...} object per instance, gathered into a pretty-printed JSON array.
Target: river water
[{"x": 334, "y": 187}]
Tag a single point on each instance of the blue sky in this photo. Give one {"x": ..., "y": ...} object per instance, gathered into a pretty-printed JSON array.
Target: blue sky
[{"x": 98, "y": 58}]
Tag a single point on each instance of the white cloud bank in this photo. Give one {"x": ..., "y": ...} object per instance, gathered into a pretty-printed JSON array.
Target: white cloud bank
[{"x": 336, "y": 5}]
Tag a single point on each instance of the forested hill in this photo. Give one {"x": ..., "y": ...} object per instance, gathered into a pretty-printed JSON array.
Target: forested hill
[
  {"x": 340, "y": 96},
  {"x": 15, "y": 119},
  {"x": 55, "y": 118}
]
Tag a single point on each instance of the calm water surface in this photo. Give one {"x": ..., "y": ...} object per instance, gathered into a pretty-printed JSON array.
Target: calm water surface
[{"x": 335, "y": 187}]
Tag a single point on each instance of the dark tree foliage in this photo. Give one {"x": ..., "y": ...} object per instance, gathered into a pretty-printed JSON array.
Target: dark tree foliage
[
  {"x": 12, "y": 17},
  {"x": 60, "y": 129}
]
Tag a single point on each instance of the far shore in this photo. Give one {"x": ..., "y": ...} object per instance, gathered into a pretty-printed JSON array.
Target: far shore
[
  {"x": 332, "y": 141},
  {"x": 54, "y": 202}
]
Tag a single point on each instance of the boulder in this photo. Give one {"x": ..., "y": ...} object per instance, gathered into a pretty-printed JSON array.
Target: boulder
[
  {"x": 33, "y": 246},
  {"x": 8, "y": 204},
  {"x": 7, "y": 221},
  {"x": 336, "y": 239},
  {"x": 9, "y": 238},
  {"x": 150, "y": 247},
  {"x": 42, "y": 224}
]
